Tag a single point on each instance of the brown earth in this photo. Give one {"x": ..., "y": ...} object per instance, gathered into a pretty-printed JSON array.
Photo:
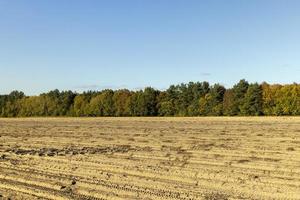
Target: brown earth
[{"x": 150, "y": 158}]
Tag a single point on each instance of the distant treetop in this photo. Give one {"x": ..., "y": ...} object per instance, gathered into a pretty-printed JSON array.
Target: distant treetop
[{"x": 192, "y": 99}]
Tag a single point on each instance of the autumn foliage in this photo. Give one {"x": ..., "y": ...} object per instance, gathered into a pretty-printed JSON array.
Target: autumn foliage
[{"x": 192, "y": 99}]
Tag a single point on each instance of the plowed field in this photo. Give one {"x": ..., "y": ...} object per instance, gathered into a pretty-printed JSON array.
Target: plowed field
[{"x": 150, "y": 158}]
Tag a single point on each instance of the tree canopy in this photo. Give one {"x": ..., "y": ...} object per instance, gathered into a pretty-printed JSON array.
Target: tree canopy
[{"x": 191, "y": 99}]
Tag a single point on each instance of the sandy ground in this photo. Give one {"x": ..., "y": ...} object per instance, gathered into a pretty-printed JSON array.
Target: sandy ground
[{"x": 150, "y": 158}]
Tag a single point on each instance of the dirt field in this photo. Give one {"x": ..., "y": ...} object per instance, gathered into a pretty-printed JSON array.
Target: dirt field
[{"x": 150, "y": 158}]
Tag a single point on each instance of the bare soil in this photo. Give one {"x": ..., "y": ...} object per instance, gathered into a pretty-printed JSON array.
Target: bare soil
[{"x": 150, "y": 158}]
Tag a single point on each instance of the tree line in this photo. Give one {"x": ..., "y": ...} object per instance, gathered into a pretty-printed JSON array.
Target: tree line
[{"x": 191, "y": 99}]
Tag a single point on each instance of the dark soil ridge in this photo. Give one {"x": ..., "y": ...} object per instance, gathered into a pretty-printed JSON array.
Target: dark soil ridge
[{"x": 72, "y": 150}]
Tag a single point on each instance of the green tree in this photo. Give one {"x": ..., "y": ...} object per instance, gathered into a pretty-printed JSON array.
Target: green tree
[
  {"x": 66, "y": 101},
  {"x": 228, "y": 102},
  {"x": 287, "y": 101},
  {"x": 102, "y": 104},
  {"x": 192, "y": 99},
  {"x": 144, "y": 102},
  {"x": 121, "y": 101},
  {"x": 166, "y": 109},
  {"x": 212, "y": 103},
  {"x": 252, "y": 102},
  {"x": 239, "y": 92},
  {"x": 107, "y": 102},
  {"x": 3, "y": 100},
  {"x": 81, "y": 104},
  {"x": 12, "y": 104}
]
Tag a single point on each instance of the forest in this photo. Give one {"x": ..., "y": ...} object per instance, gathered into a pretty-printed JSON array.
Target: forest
[{"x": 191, "y": 99}]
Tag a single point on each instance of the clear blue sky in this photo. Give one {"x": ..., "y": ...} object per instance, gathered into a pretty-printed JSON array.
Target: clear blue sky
[{"x": 95, "y": 44}]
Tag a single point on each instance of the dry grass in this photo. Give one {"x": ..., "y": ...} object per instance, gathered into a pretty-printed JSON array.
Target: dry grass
[{"x": 150, "y": 158}]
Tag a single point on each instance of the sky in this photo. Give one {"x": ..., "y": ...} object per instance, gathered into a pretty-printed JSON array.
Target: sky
[{"x": 84, "y": 45}]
